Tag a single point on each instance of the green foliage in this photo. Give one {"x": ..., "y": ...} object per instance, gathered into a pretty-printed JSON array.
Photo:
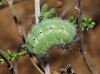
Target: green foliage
[
  {"x": 87, "y": 23},
  {"x": 24, "y": 47},
  {"x": 0, "y": 3},
  {"x": 46, "y": 14},
  {"x": 9, "y": 55}
]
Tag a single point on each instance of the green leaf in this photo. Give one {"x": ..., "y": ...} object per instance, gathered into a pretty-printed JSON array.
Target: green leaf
[
  {"x": 44, "y": 8},
  {"x": 24, "y": 46},
  {"x": 2, "y": 62},
  {"x": 5, "y": 54},
  {"x": 93, "y": 23},
  {"x": 10, "y": 53},
  {"x": 13, "y": 58},
  {"x": 89, "y": 20},
  {"x": 0, "y": 3},
  {"x": 46, "y": 14},
  {"x": 82, "y": 28},
  {"x": 87, "y": 23},
  {"x": 87, "y": 29}
]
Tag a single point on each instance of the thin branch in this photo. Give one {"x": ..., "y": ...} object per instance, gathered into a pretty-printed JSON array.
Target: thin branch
[
  {"x": 10, "y": 66},
  {"x": 35, "y": 65},
  {"x": 16, "y": 61},
  {"x": 79, "y": 11},
  {"x": 17, "y": 21},
  {"x": 46, "y": 66},
  {"x": 14, "y": 2},
  {"x": 67, "y": 9},
  {"x": 37, "y": 13},
  {"x": 37, "y": 10}
]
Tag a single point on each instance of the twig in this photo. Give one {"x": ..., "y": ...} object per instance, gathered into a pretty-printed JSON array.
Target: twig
[
  {"x": 35, "y": 65},
  {"x": 10, "y": 66},
  {"x": 14, "y": 2},
  {"x": 37, "y": 10},
  {"x": 67, "y": 9},
  {"x": 37, "y": 13},
  {"x": 16, "y": 61},
  {"x": 79, "y": 11},
  {"x": 46, "y": 66},
  {"x": 17, "y": 21}
]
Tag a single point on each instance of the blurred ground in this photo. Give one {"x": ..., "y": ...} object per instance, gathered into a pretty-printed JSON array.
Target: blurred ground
[{"x": 9, "y": 37}]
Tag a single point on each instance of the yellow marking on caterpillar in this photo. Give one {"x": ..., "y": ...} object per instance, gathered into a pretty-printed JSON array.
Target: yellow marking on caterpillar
[
  {"x": 37, "y": 38},
  {"x": 45, "y": 33},
  {"x": 34, "y": 46},
  {"x": 55, "y": 30},
  {"x": 64, "y": 32}
]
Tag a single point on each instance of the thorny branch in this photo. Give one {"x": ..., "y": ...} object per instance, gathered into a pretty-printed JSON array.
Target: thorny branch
[
  {"x": 80, "y": 33},
  {"x": 10, "y": 66}
]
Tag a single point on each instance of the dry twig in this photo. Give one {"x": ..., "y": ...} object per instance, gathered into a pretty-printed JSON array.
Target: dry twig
[
  {"x": 79, "y": 11},
  {"x": 46, "y": 66},
  {"x": 37, "y": 13},
  {"x": 10, "y": 66},
  {"x": 17, "y": 21},
  {"x": 14, "y": 2}
]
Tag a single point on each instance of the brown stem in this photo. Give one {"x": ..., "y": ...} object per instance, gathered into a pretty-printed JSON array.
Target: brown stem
[
  {"x": 35, "y": 65},
  {"x": 14, "y": 2},
  {"x": 10, "y": 66},
  {"x": 17, "y": 21},
  {"x": 80, "y": 33}
]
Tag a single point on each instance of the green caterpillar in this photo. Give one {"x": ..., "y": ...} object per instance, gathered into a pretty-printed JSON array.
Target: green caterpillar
[
  {"x": 48, "y": 33},
  {"x": 53, "y": 31}
]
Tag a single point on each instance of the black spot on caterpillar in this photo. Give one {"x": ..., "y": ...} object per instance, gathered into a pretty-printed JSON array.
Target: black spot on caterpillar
[{"x": 48, "y": 33}]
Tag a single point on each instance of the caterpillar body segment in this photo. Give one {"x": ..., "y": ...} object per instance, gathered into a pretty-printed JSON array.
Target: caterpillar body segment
[{"x": 48, "y": 33}]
